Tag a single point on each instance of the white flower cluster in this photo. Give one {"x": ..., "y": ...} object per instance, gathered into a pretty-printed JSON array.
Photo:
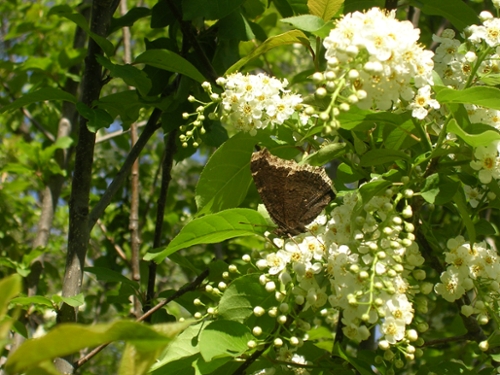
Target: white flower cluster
[
  {"x": 380, "y": 55},
  {"x": 487, "y": 162},
  {"x": 468, "y": 268},
  {"x": 364, "y": 272},
  {"x": 456, "y": 61},
  {"x": 252, "y": 102}
]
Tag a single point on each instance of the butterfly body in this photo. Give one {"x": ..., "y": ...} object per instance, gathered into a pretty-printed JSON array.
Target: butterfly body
[{"x": 294, "y": 195}]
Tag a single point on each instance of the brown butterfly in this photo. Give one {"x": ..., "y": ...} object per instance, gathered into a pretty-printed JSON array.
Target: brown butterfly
[{"x": 293, "y": 194}]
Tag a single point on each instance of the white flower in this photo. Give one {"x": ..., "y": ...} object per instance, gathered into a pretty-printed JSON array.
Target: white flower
[
  {"x": 399, "y": 308},
  {"x": 356, "y": 332},
  {"x": 393, "y": 329},
  {"x": 277, "y": 261},
  {"x": 473, "y": 195},
  {"x": 447, "y": 50},
  {"x": 387, "y": 50},
  {"x": 252, "y": 102},
  {"x": 451, "y": 287},
  {"x": 422, "y": 101},
  {"x": 487, "y": 162},
  {"x": 488, "y": 32}
]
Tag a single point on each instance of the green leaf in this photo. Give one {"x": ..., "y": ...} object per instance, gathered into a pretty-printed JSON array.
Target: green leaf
[
  {"x": 242, "y": 295},
  {"x": 35, "y": 300},
  {"x": 474, "y": 140},
  {"x": 299, "y": 6},
  {"x": 185, "y": 346},
  {"x": 226, "y": 177},
  {"x": 79, "y": 19},
  {"x": 347, "y": 175},
  {"x": 129, "y": 19},
  {"x": 461, "y": 206},
  {"x": 325, "y": 154},
  {"x": 10, "y": 287},
  {"x": 362, "y": 367},
  {"x": 214, "y": 228},
  {"x": 137, "y": 362},
  {"x": 439, "y": 189},
  {"x": 42, "y": 63},
  {"x": 41, "y": 95},
  {"x": 480, "y": 95},
  {"x": 231, "y": 338},
  {"x": 485, "y": 228},
  {"x": 235, "y": 26},
  {"x": 290, "y": 37},
  {"x": 97, "y": 118},
  {"x": 74, "y": 301},
  {"x": 367, "y": 192},
  {"x": 283, "y": 7},
  {"x": 305, "y": 22},
  {"x": 106, "y": 274},
  {"x": 358, "y": 119},
  {"x": 209, "y": 9},
  {"x": 382, "y": 156},
  {"x": 66, "y": 339},
  {"x": 325, "y": 9},
  {"x": 61, "y": 143},
  {"x": 400, "y": 137},
  {"x": 168, "y": 60},
  {"x": 43, "y": 368},
  {"x": 455, "y": 11},
  {"x": 130, "y": 75},
  {"x": 125, "y": 104}
]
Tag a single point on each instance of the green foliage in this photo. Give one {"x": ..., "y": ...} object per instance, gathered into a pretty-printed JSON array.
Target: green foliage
[
  {"x": 143, "y": 338},
  {"x": 213, "y": 228},
  {"x": 151, "y": 80}
]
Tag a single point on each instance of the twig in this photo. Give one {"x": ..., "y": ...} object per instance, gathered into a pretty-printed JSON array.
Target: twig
[
  {"x": 151, "y": 127},
  {"x": 108, "y": 136},
  {"x": 117, "y": 247}
]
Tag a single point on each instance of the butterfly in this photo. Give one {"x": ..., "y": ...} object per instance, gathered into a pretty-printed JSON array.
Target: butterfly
[{"x": 294, "y": 195}]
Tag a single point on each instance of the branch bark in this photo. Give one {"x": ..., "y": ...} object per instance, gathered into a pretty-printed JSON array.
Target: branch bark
[{"x": 78, "y": 235}]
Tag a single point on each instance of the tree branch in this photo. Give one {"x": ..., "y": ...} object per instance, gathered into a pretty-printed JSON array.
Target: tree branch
[
  {"x": 78, "y": 234},
  {"x": 151, "y": 127}
]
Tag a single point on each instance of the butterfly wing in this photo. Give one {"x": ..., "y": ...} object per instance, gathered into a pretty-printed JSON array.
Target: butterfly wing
[{"x": 293, "y": 194}]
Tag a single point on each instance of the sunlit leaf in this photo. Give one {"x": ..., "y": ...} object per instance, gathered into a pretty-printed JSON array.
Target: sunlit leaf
[
  {"x": 475, "y": 140},
  {"x": 290, "y": 37},
  {"x": 324, "y": 9},
  {"x": 305, "y": 22},
  {"x": 214, "y": 228},
  {"x": 479, "y": 95},
  {"x": 225, "y": 178},
  {"x": 77, "y": 336},
  {"x": 232, "y": 338}
]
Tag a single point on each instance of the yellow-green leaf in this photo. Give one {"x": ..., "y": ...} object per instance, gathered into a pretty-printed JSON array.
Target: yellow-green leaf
[
  {"x": 324, "y": 9},
  {"x": 290, "y": 37}
]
